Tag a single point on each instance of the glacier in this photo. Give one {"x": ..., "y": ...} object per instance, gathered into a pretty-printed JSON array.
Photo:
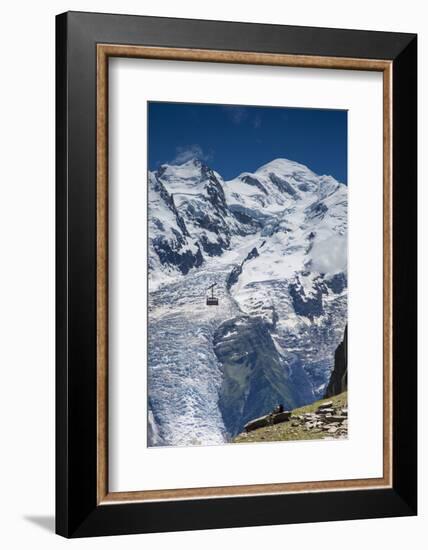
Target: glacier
[{"x": 275, "y": 243}]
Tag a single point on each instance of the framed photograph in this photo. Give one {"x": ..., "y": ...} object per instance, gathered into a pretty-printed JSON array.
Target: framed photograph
[{"x": 236, "y": 274}]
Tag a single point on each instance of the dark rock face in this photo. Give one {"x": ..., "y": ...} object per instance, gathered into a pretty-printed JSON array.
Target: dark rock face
[
  {"x": 252, "y": 254},
  {"x": 213, "y": 249},
  {"x": 233, "y": 276},
  {"x": 339, "y": 377},
  {"x": 215, "y": 192},
  {"x": 249, "y": 180},
  {"x": 255, "y": 379},
  {"x": 173, "y": 251},
  {"x": 201, "y": 216},
  {"x": 316, "y": 210},
  {"x": 283, "y": 185},
  {"x": 237, "y": 270},
  {"x": 247, "y": 220},
  {"x": 183, "y": 260},
  {"x": 169, "y": 201},
  {"x": 255, "y": 219},
  {"x": 312, "y": 306},
  {"x": 206, "y": 219},
  {"x": 303, "y": 187},
  {"x": 309, "y": 306},
  {"x": 337, "y": 283}
]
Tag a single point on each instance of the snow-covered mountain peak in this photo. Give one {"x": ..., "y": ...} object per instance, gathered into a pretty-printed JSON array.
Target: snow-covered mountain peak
[
  {"x": 188, "y": 174},
  {"x": 196, "y": 212},
  {"x": 273, "y": 188},
  {"x": 285, "y": 167}
]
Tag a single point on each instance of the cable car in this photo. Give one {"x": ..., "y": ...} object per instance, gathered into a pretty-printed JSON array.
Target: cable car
[{"x": 212, "y": 300}]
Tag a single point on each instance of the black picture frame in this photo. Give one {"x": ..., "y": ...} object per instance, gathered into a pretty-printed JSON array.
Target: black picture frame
[{"x": 78, "y": 513}]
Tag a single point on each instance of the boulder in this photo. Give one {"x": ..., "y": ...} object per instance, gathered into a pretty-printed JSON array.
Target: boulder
[
  {"x": 267, "y": 420},
  {"x": 339, "y": 377},
  {"x": 334, "y": 418},
  {"x": 325, "y": 411},
  {"x": 326, "y": 405},
  {"x": 281, "y": 417}
]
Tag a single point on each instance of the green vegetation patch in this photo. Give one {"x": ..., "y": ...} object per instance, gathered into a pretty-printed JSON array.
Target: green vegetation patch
[{"x": 295, "y": 429}]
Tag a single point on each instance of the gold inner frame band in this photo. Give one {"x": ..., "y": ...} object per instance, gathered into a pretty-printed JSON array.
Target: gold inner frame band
[{"x": 104, "y": 51}]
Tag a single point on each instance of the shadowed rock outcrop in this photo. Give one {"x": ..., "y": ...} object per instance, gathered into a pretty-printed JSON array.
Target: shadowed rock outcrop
[
  {"x": 254, "y": 377},
  {"x": 339, "y": 377}
]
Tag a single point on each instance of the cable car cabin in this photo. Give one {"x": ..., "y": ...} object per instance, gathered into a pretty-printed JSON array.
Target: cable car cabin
[{"x": 212, "y": 300}]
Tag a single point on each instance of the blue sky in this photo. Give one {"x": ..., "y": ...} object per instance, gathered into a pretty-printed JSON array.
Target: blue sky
[{"x": 235, "y": 139}]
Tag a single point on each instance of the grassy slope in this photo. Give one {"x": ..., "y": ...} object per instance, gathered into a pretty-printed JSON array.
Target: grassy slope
[{"x": 286, "y": 431}]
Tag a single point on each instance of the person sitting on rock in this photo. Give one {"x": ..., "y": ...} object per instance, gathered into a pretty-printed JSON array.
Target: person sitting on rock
[{"x": 278, "y": 409}]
